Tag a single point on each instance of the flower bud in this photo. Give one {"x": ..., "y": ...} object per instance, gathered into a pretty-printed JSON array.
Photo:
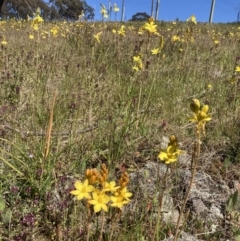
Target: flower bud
[
  {"x": 205, "y": 108},
  {"x": 195, "y": 106}
]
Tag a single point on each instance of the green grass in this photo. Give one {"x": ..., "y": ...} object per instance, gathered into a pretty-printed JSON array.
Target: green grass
[{"x": 104, "y": 113}]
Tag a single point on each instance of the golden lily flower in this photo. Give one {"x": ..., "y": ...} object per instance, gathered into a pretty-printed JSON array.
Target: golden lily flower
[
  {"x": 155, "y": 51},
  {"x": 118, "y": 201},
  {"x": 121, "y": 31},
  {"x": 216, "y": 42},
  {"x": 135, "y": 68},
  {"x": 110, "y": 186},
  {"x": 99, "y": 201},
  {"x": 83, "y": 190},
  {"x": 103, "y": 11},
  {"x": 175, "y": 38},
  {"x": 192, "y": 19},
  {"x": 150, "y": 27},
  {"x": 4, "y": 42},
  {"x": 97, "y": 36},
  {"x": 170, "y": 154},
  {"x": 115, "y": 8},
  {"x": 200, "y": 114},
  {"x": 124, "y": 193},
  {"x": 237, "y": 69}
]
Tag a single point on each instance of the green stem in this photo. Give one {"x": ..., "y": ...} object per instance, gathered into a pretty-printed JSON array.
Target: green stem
[
  {"x": 195, "y": 160},
  {"x": 88, "y": 222},
  {"x": 160, "y": 206},
  {"x": 115, "y": 223},
  {"x": 102, "y": 224}
]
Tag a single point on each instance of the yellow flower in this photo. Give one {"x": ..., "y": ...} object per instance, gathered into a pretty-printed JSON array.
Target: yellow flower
[
  {"x": 96, "y": 36},
  {"x": 83, "y": 190},
  {"x": 37, "y": 19},
  {"x": 99, "y": 201},
  {"x": 118, "y": 201},
  {"x": 135, "y": 68},
  {"x": 115, "y": 8},
  {"x": 192, "y": 19},
  {"x": 216, "y": 42},
  {"x": 175, "y": 38},
  {"x": 4, "y": 42},
  {"x": 124, "y": 193},
  {"x": 114, "y": 31},
  {"x": 81, "y": 16},
  {"x": 200, "y": 114},
  {"x": 170, "y": 154},
  {"x": 121, "y": 31},
  {"x": 137, "y": 58},
  {"x": 237, "y": 69},
  {"x": 209, "y": 86},
  {"x": 151, "y": 27},
  {"x": 137, "y": 62},
  {"x": 103, "y": 11},
  {"x": 110, "y": 186},
  {"x": 155, "y": 51},
  {"x": 31, "y": 36},
  {"x": 54, "y": 31}
]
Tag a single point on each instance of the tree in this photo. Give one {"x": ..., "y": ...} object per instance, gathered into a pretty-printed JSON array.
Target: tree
[
  {"x": 21, "y": 8},
  {"x": 1, "y": 3},
  {"x": 140, "y": 17},
  {"x": 71, "y": 9},
  {"x": 54, "y": 9}
]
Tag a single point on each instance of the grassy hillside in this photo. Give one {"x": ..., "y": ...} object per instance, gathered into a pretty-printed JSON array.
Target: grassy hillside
[{"x": 76, "y": 95}]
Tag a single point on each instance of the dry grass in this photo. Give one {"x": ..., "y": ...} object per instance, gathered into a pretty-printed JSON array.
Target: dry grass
[{"x": 104, "y": 112}]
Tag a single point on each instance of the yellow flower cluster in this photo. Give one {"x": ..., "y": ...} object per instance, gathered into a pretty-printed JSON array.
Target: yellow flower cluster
[
  {"x": 103, "y": 11},
  {"x": 200, "y": 115},
  {"x": 150, "y": 27},
  {"x": 121, "y": 31},
  {"x": 192, "y": 19},
  {"x": 171, "y": 153},
  {"x": 100, "y": 193},
  {"x": 97, "y": 36},
  {"x": 137, "y": 62},
  {"x": 37, "y": 20}
]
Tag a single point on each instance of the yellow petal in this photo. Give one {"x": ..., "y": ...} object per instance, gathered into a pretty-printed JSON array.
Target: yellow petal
[
  {"x": 205, "y": 108},
  {"x": 163, "y": 156},
  {"x": 78, "y": 185},
  {"x": 97, "y": 208}
]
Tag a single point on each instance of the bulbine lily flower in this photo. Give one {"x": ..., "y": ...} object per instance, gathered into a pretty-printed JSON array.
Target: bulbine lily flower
[
  {"x": 171, "y": 153},
  {"x": 100, "y": 193},
  {"x": 200, "y": 114},
  {"x": 237, "y": 69},
  {"x": 155, "y": 51},
  {"x": 103, "y": 11},
  {"x": 115, "y": 8},
  {"x": 150, "y": 27},
  {"x": 83, "y": 190},
  {"x": 99, "y": 201},
  {"x": 192, "y": 19}
]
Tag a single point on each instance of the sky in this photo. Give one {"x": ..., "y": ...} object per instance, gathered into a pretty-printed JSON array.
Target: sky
[{"x": 170, "y": 10}]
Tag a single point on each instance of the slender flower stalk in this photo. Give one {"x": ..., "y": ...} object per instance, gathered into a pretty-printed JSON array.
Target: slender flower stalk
[{"x": 200, "y": 117}]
